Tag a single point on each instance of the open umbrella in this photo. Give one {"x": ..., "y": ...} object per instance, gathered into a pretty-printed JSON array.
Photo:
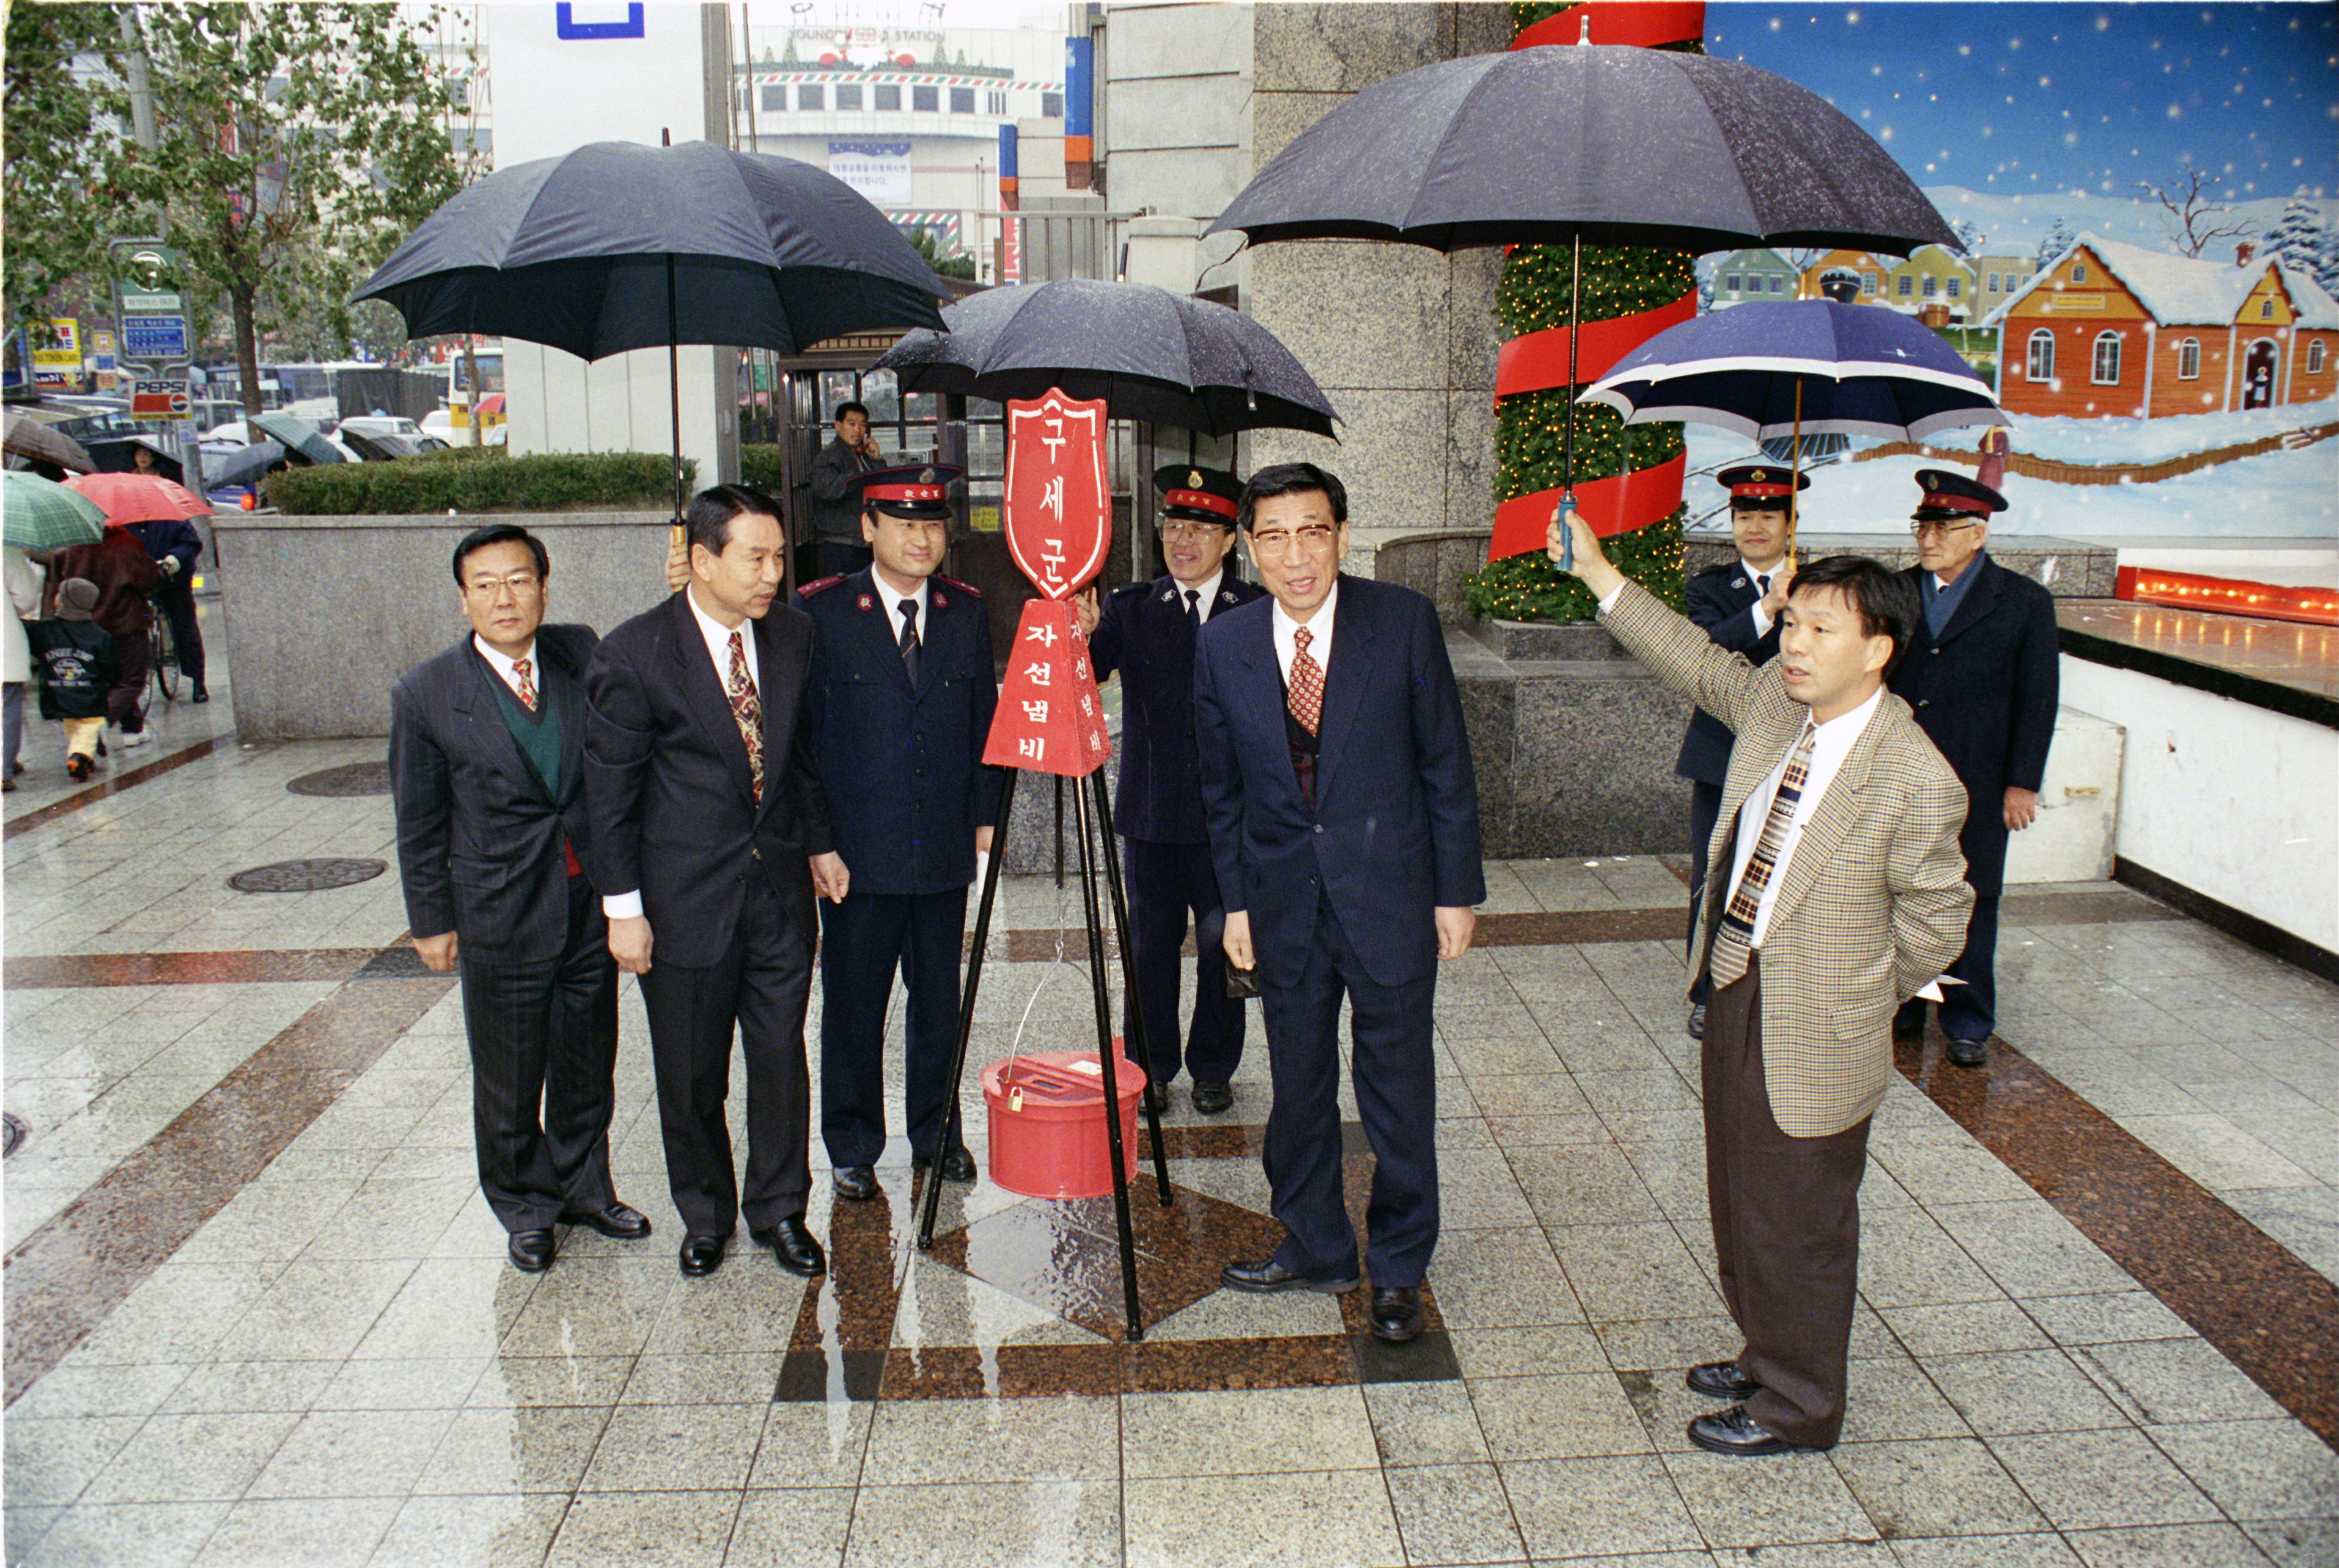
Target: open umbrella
[
  {"x": 1153, "y": 355},
  {"x": 117, "y": 456},
  {"x": 617, "y": 246},
  {"x": 43, "y": 515},
  {"x": 1798, "y": 369},
  {"x": 298, "y": 435},
  {"x": 139, "y": 498},
  {"x": 27, "y": 436},
  {"x": 248, "y": 465},
  {"x": 1610, "y": 144}
]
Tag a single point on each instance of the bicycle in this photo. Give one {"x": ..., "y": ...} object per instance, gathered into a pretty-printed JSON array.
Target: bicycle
[{"x": 163, "y": 674}]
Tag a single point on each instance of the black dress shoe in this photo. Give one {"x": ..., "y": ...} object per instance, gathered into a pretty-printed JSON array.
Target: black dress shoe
[
  {"x": 1909, "y": 1021},
  {"x": 794, "y": 1245},
  {"x": 619, "y": 1222},
  {"x": 1697, "y": 1021},
  {"x": 1157, "y": 1098},
  {"x": 702, "y": 1255},
  {"x": 856, "y": 1182},
  {"x": 531, "y": 1251},
  {"x": 202, "y": 694},
  {"x": 1211, "y": 1095},
  {"x": 1269, "y": 1275},
  {"x": 1722, "y": 1380},
  {"x": 958, "y": 1164},
  {"x": 1396, "y": 1316},
  {"x": 1734, "y": 1432},
  {"x": 1969, "y": 1052}
]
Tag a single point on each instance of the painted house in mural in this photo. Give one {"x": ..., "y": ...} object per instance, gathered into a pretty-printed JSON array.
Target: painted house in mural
[
  {"x": 1996, "y": 278},
  {"x": 1933, "y": 283},
  {"x": 2110, "y": 330},
  {"x": 1757, "y": 274},
  {"x": 1871, "y": 272}
]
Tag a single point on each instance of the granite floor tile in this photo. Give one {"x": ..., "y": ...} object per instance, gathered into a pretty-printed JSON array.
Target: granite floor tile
[
  {"x": 796, "y": 1525},
  {"x": 2105, "y": 1317},
  {"x": 645, "y": 1530},
  {"x": 1626, "y": 1271},
  {"x": 2042, "y": 1550},
  {"x": 676, "y": 1447},
  {"x": 50, "y": 1463},
  {"x": 1501, "y": 1278},
  {"x": 1584, "y": 1184},
  {"x": 313, "y": 1532},
  {"x": 402, "y": 1384},
  {"x": 1453, "y": 1513},
  {"x": 192, "y": 1458},
  {"x": 1319, "y": 1518},
  {"x": 1586, "y": 1507},
  {"x": 1565, "y": 1417},
  {"x": 289, "y": 1387},
  {"x": 73, "y": 1389},
  {"x": 1894, "y": 1400},
  {"x": 536, "y": 1449},
  {"x": 2216, "y": 1153},
  {"x": 988, "y": 1526},
  {"x": 353, "y": 1453},
  {"x": 516, "y": 1381},
  {"x": 2023, "y": 1391},
  {"x": 813, "y": 1445},
  {"x": 114, "y": 1535},
  {"x": 1536, "y": 1351},
  {"x": 2175, "y": 1380},
  {"x": 2101, "y": 1480},
  {"x": 1424, "y": 1423},
  {"x": 1267, "y": 1430},
  {"x": 1951, "y": 1487},
  {"x": 1792, "y": 1498},
  {"x": 1907, "y": 1260},
  {"x": 2305, "y": 1219},
  {"x": 2167, "y": 1546},
  {"x": 969, "y": 1441},
  {"x": 475, "y": 1532},
  {"x": 1964, "y": 1329},
  {"x": 2300, "y": 1544},
  {"x": 2256, "y": 1470}
]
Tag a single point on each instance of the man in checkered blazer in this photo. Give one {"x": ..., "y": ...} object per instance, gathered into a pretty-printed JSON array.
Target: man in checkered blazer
[{"x": 1834, "y": 891}]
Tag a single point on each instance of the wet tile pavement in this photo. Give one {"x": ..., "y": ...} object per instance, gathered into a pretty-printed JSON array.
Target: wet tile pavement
[{"x": 258, "y": 1314}]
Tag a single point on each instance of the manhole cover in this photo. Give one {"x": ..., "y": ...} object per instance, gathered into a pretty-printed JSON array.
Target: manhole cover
[
  {"x": 12, "y": 1133},
  {"x": 305, "y": 875},
  {"x": 357, "y": 778}
]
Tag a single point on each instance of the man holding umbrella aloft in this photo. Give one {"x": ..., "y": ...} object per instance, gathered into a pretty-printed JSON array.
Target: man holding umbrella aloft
[
  {"x": 1146, "y": 631},
  {"x": 1738, "y": 603},
  {"x": 1982, "y": 677}
]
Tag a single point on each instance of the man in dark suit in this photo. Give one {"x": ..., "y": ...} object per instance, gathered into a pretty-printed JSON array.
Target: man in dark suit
[
  {"x": 487, "y": 779},
  {"x": 710, "y": 838},
  {"x": 1738, "y": 604},
  {"x": 1344, "y": 820},
  {"x": 838, "y": 545},
  {"x": 1983, "y": 679},
  {"x": 1146, "y": 631},
  {"x": 898, "y": 708}
]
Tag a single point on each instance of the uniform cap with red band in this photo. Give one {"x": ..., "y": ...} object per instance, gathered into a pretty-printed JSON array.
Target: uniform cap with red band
[
  {"x": 1197, "y": 494},
  {"x": 1947, "y": 495},
  {"x": 921, "y": 491},
  {"x": 1760, "y": 487}
]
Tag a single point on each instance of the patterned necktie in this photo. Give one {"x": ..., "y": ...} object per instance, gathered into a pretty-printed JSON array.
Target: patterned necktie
[
  {"x": 909, "y": 638},
  {"x": 1306, "y": 682},
  {"x": 1194, "y": 608},
  {"x": 1734, "y": 940},
  {"x": 526, "y": 674},
  {"x": 748, "y": 709}
]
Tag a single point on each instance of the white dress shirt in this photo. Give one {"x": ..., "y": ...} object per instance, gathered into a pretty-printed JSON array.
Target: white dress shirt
[
  {"x": 1207, "y": 592},
  {"x": 893, "y": 600},
  {"x": 1759, "y": 579},
  {"x": 1320, "y": 628},
  {"x": 503, "y": 667},
  {"x": 1830, "y": 743}
]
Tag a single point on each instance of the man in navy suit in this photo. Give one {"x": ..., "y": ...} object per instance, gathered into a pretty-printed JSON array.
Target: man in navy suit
[
  {"x": 1146, "y": 631},
  {"x": 899, "y": 708},
  {"x": 1344, "y": 820},
  {"x": 487, "y": 780},
  {"x": 710, "y": 838},
  {"x": 1983, "y": 679},
  {"x": 1738, "y": 604}
]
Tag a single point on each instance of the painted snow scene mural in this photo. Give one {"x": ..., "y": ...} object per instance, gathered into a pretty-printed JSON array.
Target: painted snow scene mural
[{"x": 2148, "y": 199}]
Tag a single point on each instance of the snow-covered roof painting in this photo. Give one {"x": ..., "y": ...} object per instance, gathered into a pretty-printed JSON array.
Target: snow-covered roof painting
[{"x": 2179, "y": 291}]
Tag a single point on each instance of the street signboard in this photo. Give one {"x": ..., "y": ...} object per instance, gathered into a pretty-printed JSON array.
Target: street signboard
[
  {"x": 154, "y": 338},
  {"x": 1059, "y": 506},
  {"x": 57, "y": 354},
  {"x": 160, "y": 399}
]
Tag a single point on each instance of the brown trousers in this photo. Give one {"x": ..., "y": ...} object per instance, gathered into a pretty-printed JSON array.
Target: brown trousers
[{"x": 1786, "y": 1229}]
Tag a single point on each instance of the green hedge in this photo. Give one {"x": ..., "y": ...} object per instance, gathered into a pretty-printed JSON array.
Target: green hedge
[
  {"x": 467, "y": 478},
  {"x": 760, "y": 469}
]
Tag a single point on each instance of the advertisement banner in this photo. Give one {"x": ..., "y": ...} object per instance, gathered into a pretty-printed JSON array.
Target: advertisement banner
[
  {"x": 57, "y": 354},
  {"x": 878, "y": 169},
  {"x": 160, "y": 399}
]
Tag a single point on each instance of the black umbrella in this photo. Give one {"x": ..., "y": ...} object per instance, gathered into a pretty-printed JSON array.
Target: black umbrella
[
  {"x": 375, "y": 449},
  {"x": 1611, "y": 144},
  {"x": 618, "y": 246},
  {"x": 248, "y": 465},
  {"x": 114, "y": 457},
  {"x": 304, "y": 437},
  {"x": 1153, "y": 355}
]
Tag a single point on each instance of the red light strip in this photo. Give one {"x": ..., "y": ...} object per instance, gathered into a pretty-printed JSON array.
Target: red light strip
[{"x": 2228, "y": 595}]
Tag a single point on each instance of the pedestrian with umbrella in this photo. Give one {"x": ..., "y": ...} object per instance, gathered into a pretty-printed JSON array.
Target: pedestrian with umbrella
[
  {"x": 126, "y": 577},
  {"x": 32, "y": 440},
  {"x": 41, "y": 517},
  {"x": 81, "y": 667}
]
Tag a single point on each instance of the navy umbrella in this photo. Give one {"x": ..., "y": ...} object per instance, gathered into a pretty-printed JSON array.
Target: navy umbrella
[
  {"x": 618, "y": 246},
  {"x": 249, "y": 465},
  {"x": 1153, "y": 355}
]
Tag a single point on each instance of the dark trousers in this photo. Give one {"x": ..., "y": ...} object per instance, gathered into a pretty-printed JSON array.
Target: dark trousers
[
  {"x": 177, "y": 599},
  {"x": 863, "y": 941},
  {"x": 1786, "y": 1229},
  {"x": 760, "y": 990},
  {"x": 1969, "y": 1010},
  {"x": 1166, "y": 881},
  {"x": 126, "y": 705},
  {"x": 1705, "y": 812},
  {"x": 544, "y": 1043},
  {"x": 835, "y": 558},
  {"x": 1396, "y": 1096}
]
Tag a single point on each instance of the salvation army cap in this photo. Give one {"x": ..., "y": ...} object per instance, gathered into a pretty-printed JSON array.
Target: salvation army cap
[
  {"x": 919, "y": 491},
  {"x": 1760, "y": 487},
  {"x": 1950, "y": 495},
  {"x": 1200, "y": 495}
]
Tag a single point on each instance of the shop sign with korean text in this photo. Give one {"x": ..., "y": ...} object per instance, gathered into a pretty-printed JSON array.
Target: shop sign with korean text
[{"x": 1058, "y": 501}]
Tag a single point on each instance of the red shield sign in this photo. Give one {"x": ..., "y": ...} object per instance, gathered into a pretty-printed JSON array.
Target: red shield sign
[{"x": 1059, "y": 509}]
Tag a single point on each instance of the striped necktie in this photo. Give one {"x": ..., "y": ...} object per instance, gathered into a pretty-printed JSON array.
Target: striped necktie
[{"x": 1734, "y": 940}]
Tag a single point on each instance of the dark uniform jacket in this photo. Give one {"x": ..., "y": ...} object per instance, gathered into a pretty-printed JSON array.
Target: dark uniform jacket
[
  {"x": 1986, "y": 691},
  {"x": 904, "y": 768},
  {"x": 1722, "y": 599},
  {"x": 480, "y": 835},
  {"x": 1144, "y": 634}
]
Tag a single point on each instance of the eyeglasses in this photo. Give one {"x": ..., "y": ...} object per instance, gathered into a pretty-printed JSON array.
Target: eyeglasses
[
  {"x": 521, "y": 583},
  {"x": 1188, "y": 530},
  {"x": 1921, "y": 529},
  {"x": 1313, "y": 539}
]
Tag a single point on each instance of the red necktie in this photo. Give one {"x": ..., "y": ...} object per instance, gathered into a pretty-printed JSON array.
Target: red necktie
[
  {"x": 526, "y": 672},
  {"x": 1306, "y": 683},
  {"x": 748, "y": 709}
]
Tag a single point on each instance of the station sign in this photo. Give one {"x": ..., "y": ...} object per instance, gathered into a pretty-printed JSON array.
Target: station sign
[
  {"x": 160, "y": 399},
  {"x": 153, "y": 338}
]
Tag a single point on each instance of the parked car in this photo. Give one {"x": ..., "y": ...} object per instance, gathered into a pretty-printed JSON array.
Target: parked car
[
  {"x": 440, "y": 422},
  {"x": 381, "y": 425}
]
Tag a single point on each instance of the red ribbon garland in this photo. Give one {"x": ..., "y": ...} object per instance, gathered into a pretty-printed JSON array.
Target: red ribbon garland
[
  {"x": 1619, "y": 504},
  {"x": 1647, "y": 23},
  {"x": 1539, "y": 360}
]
